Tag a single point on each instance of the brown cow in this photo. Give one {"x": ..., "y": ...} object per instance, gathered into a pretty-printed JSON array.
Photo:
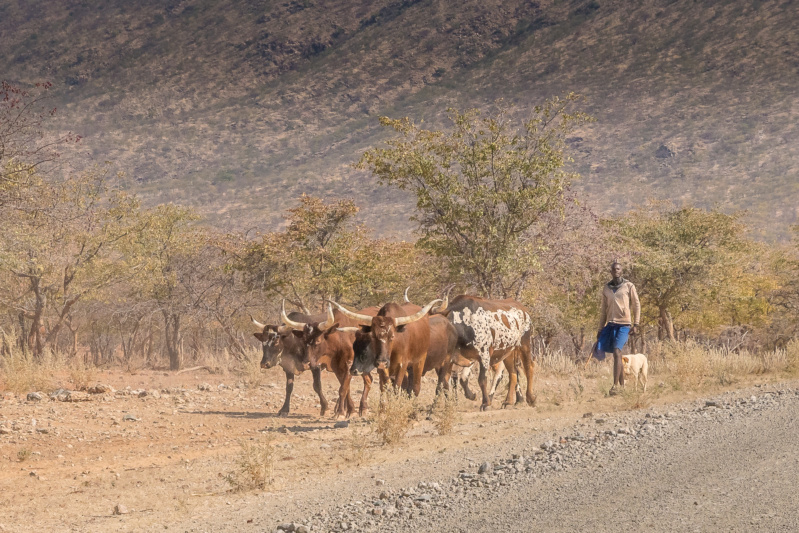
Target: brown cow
[
  {"x": 489, "y": 332},
  {"x": 400, "y": 338},
  {"x": 282, "y": 347},
  {"x": 325, "y": 347}
]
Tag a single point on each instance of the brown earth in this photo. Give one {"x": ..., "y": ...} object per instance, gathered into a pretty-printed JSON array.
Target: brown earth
[{"x": 69, "y": 469}]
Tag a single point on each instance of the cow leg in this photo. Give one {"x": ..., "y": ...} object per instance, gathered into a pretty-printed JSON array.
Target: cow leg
[
  {"x": 464, "y": 379},
  {"x": 367, "y": 385},
  {"x": 519, "y": 396},
  {"x": 529, "y": 370},
  {"x": 317, "y": 387},
  {"x": 344, "y": 405},
  {"x": 407, "y": 381},
  {"x": 284, "y": 411},
  {"x": 497, "y": 370},
  {"x": 382, "y": 374},
  {"x": 416, "y": 378},
  {"x": 510, "y": 365},
  {"x": 483, "y": 382}
]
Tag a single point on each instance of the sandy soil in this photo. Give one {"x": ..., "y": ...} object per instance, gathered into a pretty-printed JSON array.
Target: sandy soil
[{"x": 65, "y": 466}]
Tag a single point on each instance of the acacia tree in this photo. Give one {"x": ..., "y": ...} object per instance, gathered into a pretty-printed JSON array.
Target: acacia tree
[
  {"x": 689, "y": 263},
  {"x": 61, "y": 241},
  {"x": 481, "y": 187},
  {"x": 325, "y": 254},
  {"x": 170, "y": 247},
  {"x": 24, "y": 144}
]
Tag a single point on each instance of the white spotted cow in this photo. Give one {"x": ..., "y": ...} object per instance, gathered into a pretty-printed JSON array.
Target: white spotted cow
[{"x": 491, "y": 332}]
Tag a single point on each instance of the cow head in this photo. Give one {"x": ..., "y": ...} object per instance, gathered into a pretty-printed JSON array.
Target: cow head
[
  {"x": 363, "y": 360},
  {"x": 275, "y": 340},
  {"x": 384, "y": 329},
  {"x": 314, "y": 336}
]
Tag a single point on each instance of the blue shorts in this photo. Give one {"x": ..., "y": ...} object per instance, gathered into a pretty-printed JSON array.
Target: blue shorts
[{"x": 613, "y": 336}]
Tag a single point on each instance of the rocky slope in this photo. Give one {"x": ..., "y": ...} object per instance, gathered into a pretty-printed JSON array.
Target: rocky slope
[{"x": 239, "y": 106}]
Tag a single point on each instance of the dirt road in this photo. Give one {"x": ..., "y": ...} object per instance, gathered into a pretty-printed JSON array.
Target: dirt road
[{"x": 164, "y": 456}]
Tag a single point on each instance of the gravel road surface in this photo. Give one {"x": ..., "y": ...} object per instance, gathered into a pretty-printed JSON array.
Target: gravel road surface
[{"x": 729, "y": 463}]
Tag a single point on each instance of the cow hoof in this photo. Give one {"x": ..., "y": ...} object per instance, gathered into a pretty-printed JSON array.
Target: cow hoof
[
  {"x": 322, "y": 411},
  {"x": 282, "y": 414},
  {"x": 363, "y": 413},
  {"x": 531, "y": 401},
  {"x": 485, "y": 407},
  {"x": 507, "y": 406},
  {"x": 472, "y": 397}
]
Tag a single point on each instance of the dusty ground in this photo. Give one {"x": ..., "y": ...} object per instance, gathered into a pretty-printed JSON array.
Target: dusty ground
[{"x": 65, "y": 466}]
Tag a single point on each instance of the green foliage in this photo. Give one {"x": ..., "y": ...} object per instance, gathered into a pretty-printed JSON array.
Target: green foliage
[
  {"x": 323, "y": 254},
  {"x": 481, "y": 187},
  {"x": 692, "y": 265}
]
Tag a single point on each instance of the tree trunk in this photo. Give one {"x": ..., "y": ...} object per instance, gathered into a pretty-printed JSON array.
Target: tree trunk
[
  {"x": 172, "y": 339},
  {"x": 666, "y": 324}
]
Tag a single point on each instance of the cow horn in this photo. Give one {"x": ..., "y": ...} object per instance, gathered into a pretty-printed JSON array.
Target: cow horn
[
  {"x": 362, "y": 320},
  {"x": 257, "y": 324},
  {"x": 402, "y": 320},
  {"x": 287, "y": 321},
  {"x": 283, "y": 329},
  {"x": 445, "y": 303},
  {"x": 330, "y": 320},
  {"x": 405, "y": 295},
  {"x": 349, "y": 329}
]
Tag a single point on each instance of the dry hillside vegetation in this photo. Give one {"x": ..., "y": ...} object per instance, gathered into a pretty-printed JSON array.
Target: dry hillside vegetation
[{"x": 238, "y": 107}]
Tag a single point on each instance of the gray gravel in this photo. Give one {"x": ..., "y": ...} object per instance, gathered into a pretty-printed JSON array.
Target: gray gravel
[{"x": 726, "y": 463}]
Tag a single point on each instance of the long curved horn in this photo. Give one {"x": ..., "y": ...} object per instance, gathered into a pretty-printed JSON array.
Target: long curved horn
[
  {"x": 402, "y": 320},
  {"x": 405, "y": 295},
  {"x": 330, "y": 320},
  {"x": 445, "y": 303},
  {"x": 287, "y": 321},
  {"x": 257, "y": 324},
  {"x": 363, "y": 320},
  {"x": 349, "y": 329}
]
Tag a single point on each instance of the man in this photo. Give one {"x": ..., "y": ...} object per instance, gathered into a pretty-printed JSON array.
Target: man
[{"x": 619, "y": 309}]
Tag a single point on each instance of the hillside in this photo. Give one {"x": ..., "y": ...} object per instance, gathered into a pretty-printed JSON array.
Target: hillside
[{"x": 237, "y": 107}]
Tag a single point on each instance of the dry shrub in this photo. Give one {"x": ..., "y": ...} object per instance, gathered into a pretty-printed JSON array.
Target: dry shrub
[
  {"x": 394, "y": 416},
  {"x": 555, "y": 363},
  {"x": 444, "y": 412},
  {"x": 792, "y": 357},
  {"x": 254, "y": 466},
  {"x": 250, "y": 368},
  {"x": 358, "y": 444},
  {"x": 635, "y": 399},
  {"x": 23, "y": 373},
  {"x": 80, "y": 374},
  {"x": 23, "y": 455}
]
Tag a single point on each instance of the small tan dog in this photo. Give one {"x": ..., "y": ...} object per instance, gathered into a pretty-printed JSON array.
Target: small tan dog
[{"x": 637, "y": 366}]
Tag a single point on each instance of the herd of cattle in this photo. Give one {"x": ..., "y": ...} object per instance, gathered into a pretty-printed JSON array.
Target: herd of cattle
[{"x": 402, "y": 343}]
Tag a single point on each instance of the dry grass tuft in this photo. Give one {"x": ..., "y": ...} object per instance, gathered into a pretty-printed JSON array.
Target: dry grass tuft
[
  {"x": 254, "y": 466},
  {"x": 444, "y": 412},
  {"x": 23, "y": 373},
  {"x": 23, "y": 455},
  {"x": 250, "y": 369},
  {"x": 358, "y": 444},
  {"x": 394, "y": 416},
  {"x": 81, "y": 375}
]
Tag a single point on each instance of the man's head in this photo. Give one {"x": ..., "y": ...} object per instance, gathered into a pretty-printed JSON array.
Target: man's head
[{"x": 616, "y": 270}]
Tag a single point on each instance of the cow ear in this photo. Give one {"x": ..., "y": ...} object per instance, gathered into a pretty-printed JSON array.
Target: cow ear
[
  {"x": 625, "y": 359},
  {"x": 331, "y": 329},
  {"x": 400, "y": 329},
  {"x": 259, "y": 336},
  {"x": 366, "y": 329}
]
